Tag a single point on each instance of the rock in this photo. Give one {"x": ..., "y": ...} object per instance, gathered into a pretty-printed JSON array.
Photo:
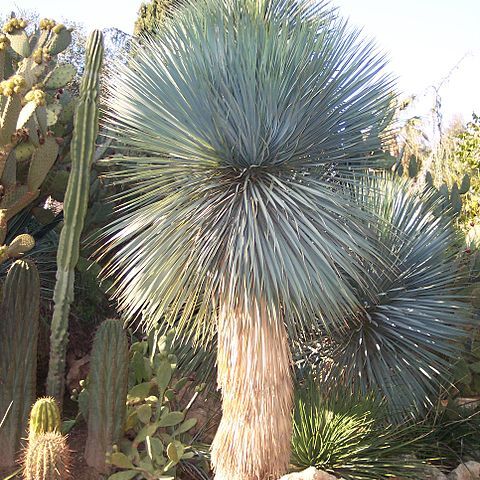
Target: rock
[
  {"x": 434, "y": 473},
  {"x": 466, "y": 471},
  {"x": 311, "y": 473}
]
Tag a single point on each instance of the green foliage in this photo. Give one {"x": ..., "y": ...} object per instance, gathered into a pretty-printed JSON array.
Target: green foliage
[
  {"x": 75, "y": 206},
  {"x": 347, "y": 434},
  {"x": 47, "y": 458},
  {"x": 107, "y": 392},
  {"x": 18, "y": 354},
  {"x": 468, "y": 154},
  {"x": 466, "y": 374},
  {"x": 43, "y": 254},
  {"x": 156, "y": 434},
  {"x": 44, "y": 417},
  {"x": 454, "y": 432},
  {"x": 152, "y": 14}
]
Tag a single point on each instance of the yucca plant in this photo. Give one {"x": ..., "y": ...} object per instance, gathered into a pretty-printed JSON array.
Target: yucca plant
[
  {"x": 348, "y": 435},
  {"x": 408, "y": 333},
  {"x": 242, "y": 121}
]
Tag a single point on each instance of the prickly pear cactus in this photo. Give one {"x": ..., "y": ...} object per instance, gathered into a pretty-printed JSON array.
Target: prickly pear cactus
[
  {"x": 107, "y": 393},
  {"x": 18, "y": 354},
  {"x": 47, "y": 458},
  {"x": 32, "y": 104},
  {"x": 21, "y": 244},
  {"x": 449, "y": 199},
  {"x": 44, "y": 417}
]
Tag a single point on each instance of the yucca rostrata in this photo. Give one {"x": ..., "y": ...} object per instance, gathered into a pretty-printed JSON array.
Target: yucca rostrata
[
  {"x": 47, "y": 457},
  {"x": 244, "y": 121},
  {"x": 18, "y": 354},
  {"x": 74, "y": 210},
  {"x": 44, "y": 417},
  {"x": 107, "y": 392}
]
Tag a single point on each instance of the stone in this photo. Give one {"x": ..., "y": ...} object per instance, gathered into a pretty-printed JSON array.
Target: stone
[
  {"x": 434, "y": 473},
  {"x": 311, "y": 473},
  {"x": 466, "y": 471}
]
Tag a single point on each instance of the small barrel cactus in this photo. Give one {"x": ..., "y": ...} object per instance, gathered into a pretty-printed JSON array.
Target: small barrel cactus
[
  {"x": 18, "y": 354},
  {"x": 47, "y": 458},
  {"x": 107, "y": 392},
  {"x": 44, "y": 417}
]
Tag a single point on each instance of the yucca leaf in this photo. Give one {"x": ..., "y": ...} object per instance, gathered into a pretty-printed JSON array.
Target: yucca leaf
[{"x": 239, "y": 121}]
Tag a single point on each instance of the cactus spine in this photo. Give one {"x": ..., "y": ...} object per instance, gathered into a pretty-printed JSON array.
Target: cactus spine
[
  {"x": 107, "y": 392},
  {"x": 47, "y": 458},
  {"x": 44, "y": 417},
  {"x": 18, "y": 354},
  {"x": 75, "y": 207}
]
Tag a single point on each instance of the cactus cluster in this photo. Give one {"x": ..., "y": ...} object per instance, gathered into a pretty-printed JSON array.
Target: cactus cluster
[
  {"x": 15, "y": 84},
  {"x": 35, "y": 119},
  {"x": 14, "y": 24},
  {"x": 18, "y": 354}
]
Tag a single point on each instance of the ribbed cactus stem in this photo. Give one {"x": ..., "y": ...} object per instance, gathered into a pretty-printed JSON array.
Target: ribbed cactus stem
[
  {"x": 107, "y": 393},
  {"x": 18, "y": 354},
  {"x": 74, "y": 209},
  {"x": 44, "y": 417},
  {"x": 47, "y": 458}
]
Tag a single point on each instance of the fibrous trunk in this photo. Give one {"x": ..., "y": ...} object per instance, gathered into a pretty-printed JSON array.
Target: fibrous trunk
[{"x": 253, "y": 439}]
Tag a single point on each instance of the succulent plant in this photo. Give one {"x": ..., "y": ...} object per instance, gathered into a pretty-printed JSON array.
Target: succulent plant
[
  {"x": 18, "y": 354},
  {"x": 157, "y": 431},
  {"x": 75, "y": 206},
  {"x": 107, "y": 393},
  {"x": 30, "y": 110},
  {"x": 20, "y": 244},
  {"x": 44, "y": 417},
  {"x": 449, "y": 199},
  {"x": 47, "y": 457}
]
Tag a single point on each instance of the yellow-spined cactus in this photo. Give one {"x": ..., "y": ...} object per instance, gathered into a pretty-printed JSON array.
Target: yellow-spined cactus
[{"x": 47, "y": 457}]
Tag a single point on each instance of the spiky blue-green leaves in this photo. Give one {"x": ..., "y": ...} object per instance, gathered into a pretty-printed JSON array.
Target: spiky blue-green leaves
[
  {"x": 405, "y": 337},
  {"x": 239, "y": 117}
]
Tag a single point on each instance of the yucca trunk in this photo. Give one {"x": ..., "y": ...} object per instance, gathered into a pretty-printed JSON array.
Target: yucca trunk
[{"x": 253, "y": 439}]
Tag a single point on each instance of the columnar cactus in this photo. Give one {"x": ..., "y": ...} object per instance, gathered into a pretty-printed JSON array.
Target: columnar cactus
[
  {"x": 44, "y": 417},
  {"x": 18, "y": 354},
  {"x": 75, "y": 207},
  {"x": 107, "y": 392},
  {"x": 47, "y": 458}
]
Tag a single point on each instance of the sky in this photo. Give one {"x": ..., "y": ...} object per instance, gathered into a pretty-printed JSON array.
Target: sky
[{"x": 430, "y": 43}]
